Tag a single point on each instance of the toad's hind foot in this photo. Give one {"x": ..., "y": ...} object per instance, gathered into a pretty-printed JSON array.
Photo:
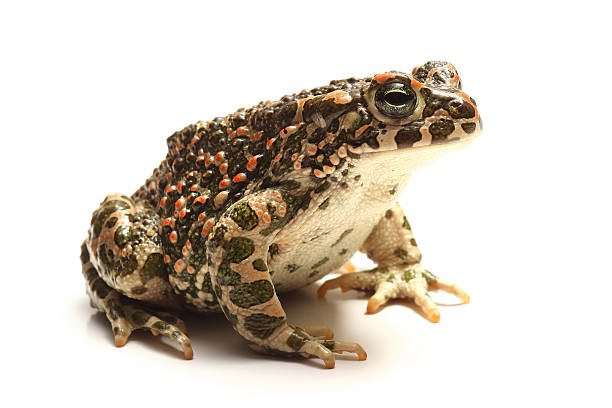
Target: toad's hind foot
[
  {"x": 125, "y": 316},
  {"x": 396, "y": 282},
  {"x": 320, "y": 332},
  {"x": 310, "y": 342},
  {"x": 325, "y": 349},
  {"x": 130, "y": 317}
]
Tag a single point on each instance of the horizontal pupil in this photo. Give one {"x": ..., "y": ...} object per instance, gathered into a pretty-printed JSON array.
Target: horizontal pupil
[{"x": 396, "y": 98}]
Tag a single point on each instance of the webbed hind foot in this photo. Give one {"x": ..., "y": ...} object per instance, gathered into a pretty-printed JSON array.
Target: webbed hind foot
[
  {"x": 125, "y": 315},
  {"x": 158, "y": 323}
]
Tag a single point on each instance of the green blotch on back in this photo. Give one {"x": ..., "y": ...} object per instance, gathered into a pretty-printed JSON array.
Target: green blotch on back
[
  {"x": 100, "y": 289},
  {"x": 251, "y": 294},
  {"x": 96, "y": 222},
  {"x": 106, "y": 257},
  {"x": 389, "y": 214},
  {"x": 238, "y": 249},
  {"x": 127, "y": 265},
  {"x": 107, "y": 208},
  {"x": 153, "y": 267},
  {"x": 123, "y": 235},
  {"x": 297, "y": 339},
  {"x": 244, "y": 216},
  {"x": 110, "y": 223},
  {"x": 320, "y": 105},
  {"x": 90, "y": 274},
  {"x": 261, "y": 325},
  {"x": 84, "y": 254}
]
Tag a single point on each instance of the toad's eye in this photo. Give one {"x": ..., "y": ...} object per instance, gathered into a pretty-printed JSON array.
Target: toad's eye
[{"x": 395, "y": 99}]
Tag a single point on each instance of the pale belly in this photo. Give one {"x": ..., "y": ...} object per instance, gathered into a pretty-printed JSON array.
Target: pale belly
[
  {"x": 311, "y": 254},
  {"x": 338, "y": 222},
  {"x": 320, "y": 241}
]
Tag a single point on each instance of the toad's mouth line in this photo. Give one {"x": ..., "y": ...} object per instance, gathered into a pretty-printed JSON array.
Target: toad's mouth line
[
  {"x": 408, "y": 159},
  {"x": 447, "y": 145}
]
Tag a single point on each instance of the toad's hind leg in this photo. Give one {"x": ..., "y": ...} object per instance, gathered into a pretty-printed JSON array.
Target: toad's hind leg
[
  {"x": 124, "y": 270},
  {"x": 238, "y": 252}
]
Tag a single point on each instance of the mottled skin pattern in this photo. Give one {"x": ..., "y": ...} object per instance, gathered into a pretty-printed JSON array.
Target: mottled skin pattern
[{"x": 272, "y": 198}]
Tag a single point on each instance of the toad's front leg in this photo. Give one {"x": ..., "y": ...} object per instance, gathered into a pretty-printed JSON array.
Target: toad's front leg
[
  {"x": 399, "y": 274},
  {"x": 238, "y": 251}
]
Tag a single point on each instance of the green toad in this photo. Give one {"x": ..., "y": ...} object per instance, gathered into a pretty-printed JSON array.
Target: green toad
[{"x": 272, "y": 198}]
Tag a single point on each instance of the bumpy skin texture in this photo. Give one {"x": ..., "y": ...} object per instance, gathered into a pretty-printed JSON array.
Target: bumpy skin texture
[{"x": 272, "y": 198}]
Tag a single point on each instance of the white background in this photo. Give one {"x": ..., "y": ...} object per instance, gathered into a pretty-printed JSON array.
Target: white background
[{"x": 521, "y": 218}]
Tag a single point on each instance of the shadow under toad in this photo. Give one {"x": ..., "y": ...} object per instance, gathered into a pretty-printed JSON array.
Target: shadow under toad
[{"x": 213, "y": 338}]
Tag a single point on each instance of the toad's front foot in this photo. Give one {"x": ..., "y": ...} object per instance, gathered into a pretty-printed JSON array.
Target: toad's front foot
[{"x": 395, "y": 282}]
